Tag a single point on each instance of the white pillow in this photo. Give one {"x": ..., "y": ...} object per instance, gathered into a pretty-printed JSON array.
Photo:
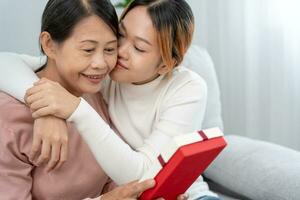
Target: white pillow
[
  {"x": 256, "y": 169},
  {"x": 198, "y": 60}
]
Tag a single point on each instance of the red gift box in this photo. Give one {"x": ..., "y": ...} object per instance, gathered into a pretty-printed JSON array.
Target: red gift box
[{"x": 182, "y": 161}]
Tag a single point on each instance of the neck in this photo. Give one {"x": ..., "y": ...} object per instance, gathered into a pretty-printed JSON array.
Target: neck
[{"x": 50, "y": 72}]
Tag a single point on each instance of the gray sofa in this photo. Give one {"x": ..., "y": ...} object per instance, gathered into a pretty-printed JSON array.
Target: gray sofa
[{"x": 247, "y": 168}]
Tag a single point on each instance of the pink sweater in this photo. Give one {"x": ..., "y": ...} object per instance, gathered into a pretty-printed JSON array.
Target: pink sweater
[{"x": 80, "y": 177}]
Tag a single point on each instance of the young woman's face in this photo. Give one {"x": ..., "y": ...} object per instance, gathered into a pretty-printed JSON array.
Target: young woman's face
[
  {"x": 87, "y": 56},
  {"x": 139, "y": 58}
]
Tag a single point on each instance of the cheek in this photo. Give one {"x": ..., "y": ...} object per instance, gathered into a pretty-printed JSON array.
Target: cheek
[
  {"x": 144, "y": 65},
  {"x": 112, "y": 61},
  {"x": 72, "y": 68}
]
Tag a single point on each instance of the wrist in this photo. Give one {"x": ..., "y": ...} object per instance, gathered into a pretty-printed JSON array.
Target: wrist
[
  {"x": 73, "y": 107},
  {"x": 51, "y": 118}
]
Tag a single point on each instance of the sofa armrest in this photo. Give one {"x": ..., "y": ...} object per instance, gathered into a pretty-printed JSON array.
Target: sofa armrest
[{"x": 257, "y": 169}]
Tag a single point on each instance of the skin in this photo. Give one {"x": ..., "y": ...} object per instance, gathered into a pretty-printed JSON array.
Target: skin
[
  {"x": 139, "y": 59},
  {"x": 138, "y": 62},
  {"x": 91, "y": 50},
  {"x": 73, "y": 74}
]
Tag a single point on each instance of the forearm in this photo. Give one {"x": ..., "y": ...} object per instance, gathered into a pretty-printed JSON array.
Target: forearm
[
  {"x": 15, "y": 75},
  {"x": 120, "y": 161},
  {"x": 117, "y": 158}
]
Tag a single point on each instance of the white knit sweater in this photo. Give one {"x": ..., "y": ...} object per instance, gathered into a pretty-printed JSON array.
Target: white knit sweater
[{"x": 147, "y": 116}]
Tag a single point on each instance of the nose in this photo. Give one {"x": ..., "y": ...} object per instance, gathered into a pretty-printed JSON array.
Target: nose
[
  {"x": 99, "y": 62},
  {"x": 123, "y": 48}
]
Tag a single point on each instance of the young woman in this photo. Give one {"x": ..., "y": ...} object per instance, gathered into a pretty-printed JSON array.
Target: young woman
[
  {"x": 150, "y": 97},
  {"x": 69, "y": 27}
]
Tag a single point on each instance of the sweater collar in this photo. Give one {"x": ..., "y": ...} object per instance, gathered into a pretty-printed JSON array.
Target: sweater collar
[{"x": 144, "y": 89}]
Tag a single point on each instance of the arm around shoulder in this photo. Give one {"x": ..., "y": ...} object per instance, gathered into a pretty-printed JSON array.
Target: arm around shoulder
[{"x": 16, "y": 76}]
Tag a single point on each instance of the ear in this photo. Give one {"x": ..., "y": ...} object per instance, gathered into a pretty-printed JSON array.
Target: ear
[
  {"x": 48, "y": 45},
  {"x": 163, "y": 69}
]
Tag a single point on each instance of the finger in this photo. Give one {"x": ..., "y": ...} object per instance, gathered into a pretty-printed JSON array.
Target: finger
[
  {"x": 127, "y": 190},
  {"x": 38, "y": 83},
  {"x": 43, "y": 86},
  {"x": 147, "y": 184},
  {"x": 46, "y": 80},
  {"x": 45, "y": 153},
  {"x": 63, "y": 155},
  {"x": 39, "y": 104},
  {"x": 35, "y": 89},
  {"x": 35, "y": 148},
  {"x": 138, "y": 188},
  {"x": 34, "y": 97},
  {"x": 183, "y": 197},
  {"x": 25, "y": 97},
  {"x": 42, "y": 112},
  {"x": 55, "y": 153},
  {"x": 131, "y": 183},
  {"x": 41, "y": 81}
]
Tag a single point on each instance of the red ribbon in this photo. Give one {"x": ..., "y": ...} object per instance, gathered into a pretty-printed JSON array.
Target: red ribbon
[
  {"x": 202, "y": 134},
  {"x": 161, "y": 161}
]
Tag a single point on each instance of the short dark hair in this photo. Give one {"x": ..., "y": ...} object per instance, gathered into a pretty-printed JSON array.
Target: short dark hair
[
  {"x": 60, "y": 16},
  {"x": 174, "y": 22}
]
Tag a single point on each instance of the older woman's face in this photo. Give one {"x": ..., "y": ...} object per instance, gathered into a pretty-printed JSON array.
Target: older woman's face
[
  {"x": 87, "y": 56},
  {"x": 139, "y": 58}
]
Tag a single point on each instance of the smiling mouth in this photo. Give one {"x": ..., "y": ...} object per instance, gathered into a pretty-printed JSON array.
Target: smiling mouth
[
  {"x": 93, "y": 76},
  {"x": 95, "y": 79}
]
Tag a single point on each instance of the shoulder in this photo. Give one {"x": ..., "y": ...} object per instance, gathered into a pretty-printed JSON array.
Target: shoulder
[
  {"x": 98, "y": 103},
  {"x": 186, "y": 81},
  {"x": 183, "y": 71},
  {"x": 16, "y": 122},
  {"x": 13, "y": 111},
  {"x": 182, "y": 75},
  {"x": 95, "y": 100}
]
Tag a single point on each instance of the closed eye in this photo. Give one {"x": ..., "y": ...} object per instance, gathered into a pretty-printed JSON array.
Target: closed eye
[
  {"x": 89, "y": 50},
  {"x": 139, "y": 50},
  {"x": 110, "y": 50}
]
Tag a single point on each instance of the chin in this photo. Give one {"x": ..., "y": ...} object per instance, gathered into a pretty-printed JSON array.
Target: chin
[{"x": 91, "y": 90}]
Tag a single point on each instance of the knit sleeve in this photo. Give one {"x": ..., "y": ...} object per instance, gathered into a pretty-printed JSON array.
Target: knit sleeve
[
  {"x": 17, "y": 73},
  {"x": 116, "y": 157},
  {"x": 124, "y": 164}
]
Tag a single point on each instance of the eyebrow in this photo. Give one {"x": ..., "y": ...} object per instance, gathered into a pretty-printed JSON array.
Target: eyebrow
[
  {"x": 137, "y": 37},
  {"x": 95, "y": 42}
]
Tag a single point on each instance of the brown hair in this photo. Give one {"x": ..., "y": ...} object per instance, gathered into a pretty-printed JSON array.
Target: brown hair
[
  {"x": 61, "y": 16},
  {"x": 174, "y": 22}
]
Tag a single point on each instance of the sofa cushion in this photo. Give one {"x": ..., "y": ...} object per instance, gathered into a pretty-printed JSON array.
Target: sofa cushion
[{"x": 257, "y": 169}]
